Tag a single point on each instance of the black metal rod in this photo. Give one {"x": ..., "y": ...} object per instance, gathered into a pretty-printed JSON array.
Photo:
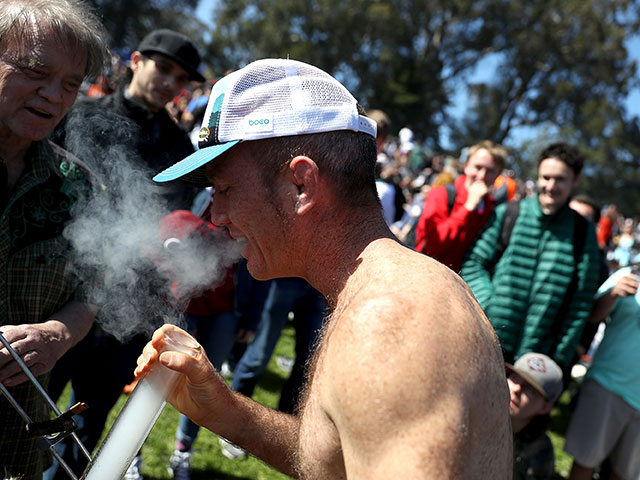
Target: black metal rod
[
  {"x": 63, "y": 464},
  {"x": 43, "y": 392},
  {"x": 25, "y": 416},
  {"x": 15, "y": 404}
]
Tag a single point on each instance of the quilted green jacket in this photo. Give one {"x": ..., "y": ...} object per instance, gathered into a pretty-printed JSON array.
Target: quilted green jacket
[{"x": 522, "y": 291}]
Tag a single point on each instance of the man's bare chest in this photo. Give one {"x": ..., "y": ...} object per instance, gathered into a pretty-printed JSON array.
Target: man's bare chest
[{"x": 320, "y": 449}]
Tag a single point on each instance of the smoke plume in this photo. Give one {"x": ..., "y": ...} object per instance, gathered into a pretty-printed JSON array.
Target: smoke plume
[{"x": 119, "y": 257}]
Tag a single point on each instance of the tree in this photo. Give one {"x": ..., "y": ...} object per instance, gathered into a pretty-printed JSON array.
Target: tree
[
  {"x": 388, "y": 53},
  {"x": 129, "y": 21},
  {"x": 565, "y": 68},
  {"x": 560, "y": 64}
]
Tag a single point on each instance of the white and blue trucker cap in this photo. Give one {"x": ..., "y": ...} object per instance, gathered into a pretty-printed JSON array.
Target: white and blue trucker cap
[{"x": 269, "y": 98}]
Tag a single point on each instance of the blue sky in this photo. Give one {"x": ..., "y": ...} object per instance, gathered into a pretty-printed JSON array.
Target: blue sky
[{"x": 633, "y": 100}]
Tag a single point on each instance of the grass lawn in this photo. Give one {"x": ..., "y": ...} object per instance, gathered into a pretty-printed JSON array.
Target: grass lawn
[
  {"x": 210, "y": 464},
  {"x": 559, "y": 421}
]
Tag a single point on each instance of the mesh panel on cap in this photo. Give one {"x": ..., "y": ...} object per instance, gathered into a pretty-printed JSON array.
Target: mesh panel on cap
[
  {"x": 266, "y": 99},
  {"x": 297, "y": 103}
]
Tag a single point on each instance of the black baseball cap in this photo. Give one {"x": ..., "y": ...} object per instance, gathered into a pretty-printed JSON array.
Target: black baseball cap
[{"x": 175, "y": 46}]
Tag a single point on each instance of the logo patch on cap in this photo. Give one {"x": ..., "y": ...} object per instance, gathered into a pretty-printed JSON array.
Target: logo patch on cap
[
  {"x": 258, "y": 122},
  {"x": 204, "y": 134},
  {"x": 536, "y": 364}
]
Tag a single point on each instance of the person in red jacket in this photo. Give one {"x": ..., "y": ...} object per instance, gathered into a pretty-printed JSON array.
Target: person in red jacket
[
  {"x": 449, "y": 223},
  {"x": 606, "y": 224}
]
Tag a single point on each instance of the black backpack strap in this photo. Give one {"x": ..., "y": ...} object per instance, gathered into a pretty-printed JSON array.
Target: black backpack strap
[
  {"x": 579, "y": 239},
  {"x": 451, "y": 195},
  {"x": 508, "y": 221},
  {"x": 579, "y": 236}
]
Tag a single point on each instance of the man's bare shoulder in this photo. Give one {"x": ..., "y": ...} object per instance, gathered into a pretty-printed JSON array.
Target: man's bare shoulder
[
  {"x": 404, "y": 293},
  {"x": 408, "y": 342},
  {"x": 414, "y": 283}
]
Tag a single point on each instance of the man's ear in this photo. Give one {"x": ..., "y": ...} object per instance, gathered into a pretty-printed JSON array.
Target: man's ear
[
  {"x": 546, "y": 408},
  {"x": 305, "y": 177},
  {"x": 136, "y": 59},
  {"x": 576, "y": 181}
]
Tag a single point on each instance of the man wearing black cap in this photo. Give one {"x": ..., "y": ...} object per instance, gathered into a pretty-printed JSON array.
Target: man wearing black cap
[
  {"x": 135, "y": 115},
  {"x": 136, "y": 119}
]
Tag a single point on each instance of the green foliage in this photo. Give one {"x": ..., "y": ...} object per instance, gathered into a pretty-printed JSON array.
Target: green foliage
[
  {"x": 561, "y": 68},
  {"x": 382, "y": 53},
  {"x": 129, "y": 21}
]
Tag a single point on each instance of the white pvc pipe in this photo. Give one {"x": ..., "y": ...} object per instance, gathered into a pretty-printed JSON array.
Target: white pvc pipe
[{"x": 138, "y": 416}]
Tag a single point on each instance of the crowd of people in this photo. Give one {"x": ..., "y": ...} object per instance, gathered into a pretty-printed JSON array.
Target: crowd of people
[
  {"x": 354, "y": 233},
  {"x": 555, "y": 273}
]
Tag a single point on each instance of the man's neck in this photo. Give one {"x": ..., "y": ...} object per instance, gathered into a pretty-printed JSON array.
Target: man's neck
[
  {"x": 519, "y": 424},
  {"x": 552, "y": 210},
  {"x": 336, "y": 252},
  {"x": 131, "y": 95}
]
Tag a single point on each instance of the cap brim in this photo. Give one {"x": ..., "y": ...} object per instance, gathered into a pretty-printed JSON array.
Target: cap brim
[
  {"x": 529, "y": 379},
  {"x": 193, "y": 162}
]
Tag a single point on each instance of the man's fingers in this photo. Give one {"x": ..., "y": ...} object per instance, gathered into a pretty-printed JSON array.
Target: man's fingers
[
  {"x": 198, "y": 369},
  {"x": 12, "y": 333},
  {"x": 36, "y": 361},
  {"x": 176, "y": 361},
  {"x": 5, "y": 358},
  {"x": 146, "y": 359},
  {"x": 16, "y": 379},
  {"x": 12, "y": 374}
]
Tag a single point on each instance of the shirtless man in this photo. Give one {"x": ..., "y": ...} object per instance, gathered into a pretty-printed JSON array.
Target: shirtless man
[{"x": 408, "y": 380}]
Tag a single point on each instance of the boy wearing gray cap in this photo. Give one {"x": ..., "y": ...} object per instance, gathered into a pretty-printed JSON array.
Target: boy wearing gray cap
[{"x": 535, "y": 383}]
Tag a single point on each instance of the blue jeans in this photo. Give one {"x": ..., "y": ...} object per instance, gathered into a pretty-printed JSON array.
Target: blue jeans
[
  {"x": 308, "y": 306},
  {"x": 216, "y": 333}
]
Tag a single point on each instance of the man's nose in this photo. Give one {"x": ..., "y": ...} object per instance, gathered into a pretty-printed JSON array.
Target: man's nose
[
  {"x": 174, "y": 82},
  {"x": 218, "y": 216},
  {"x": 514, "y": 385},
  {"x": 52, "y": 91}
]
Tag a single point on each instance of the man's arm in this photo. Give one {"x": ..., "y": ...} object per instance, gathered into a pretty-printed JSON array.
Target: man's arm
[
  {"x": 581, "y": 304},
  {"x": 40, "y": 345},
  {"x": 205, "y": 398},
  {"x": 481, "y": 257},
  {"x": 625, "y": 286}
]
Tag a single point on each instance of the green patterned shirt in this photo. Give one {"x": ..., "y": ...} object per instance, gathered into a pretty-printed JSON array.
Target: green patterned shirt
[{"x": 33, "y": 284}]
